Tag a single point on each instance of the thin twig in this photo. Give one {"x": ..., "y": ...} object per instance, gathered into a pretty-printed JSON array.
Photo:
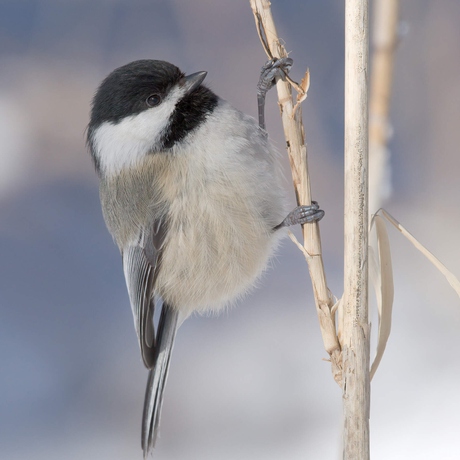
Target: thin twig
[{"x": 297, "y": 152}]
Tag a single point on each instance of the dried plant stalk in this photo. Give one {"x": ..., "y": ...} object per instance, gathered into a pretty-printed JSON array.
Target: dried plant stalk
[
  {"x": 295, "y": 140},
  {"x": 354, "y": 328},
  {"x": 384, "y": 41}
]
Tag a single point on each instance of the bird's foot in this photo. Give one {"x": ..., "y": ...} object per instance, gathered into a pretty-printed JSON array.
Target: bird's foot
[
  {"x": 273, "y": 69},
  {"x": 302, "y": 215}
]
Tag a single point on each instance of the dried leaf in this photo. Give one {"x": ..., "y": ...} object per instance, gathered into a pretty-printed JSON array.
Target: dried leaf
[
  {"x": 296, "y": 242},
  {"x": 302, "y": 90},
  {"x": 381, "y": 274},
  {"x": 305, "y": 83},
  {"x": 451, "y": 278}
]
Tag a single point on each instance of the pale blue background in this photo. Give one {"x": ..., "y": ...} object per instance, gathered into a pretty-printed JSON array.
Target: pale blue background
[{"x": 250, "y": 384}]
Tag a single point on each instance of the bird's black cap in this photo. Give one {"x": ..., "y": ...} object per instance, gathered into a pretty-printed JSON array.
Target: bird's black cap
[{"x": 125, "y": 90}]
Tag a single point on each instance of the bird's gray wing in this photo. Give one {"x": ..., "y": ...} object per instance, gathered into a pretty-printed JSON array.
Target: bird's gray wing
[
  {"x": 141, "y": 263},
  {"x": 169, "y": 323}
]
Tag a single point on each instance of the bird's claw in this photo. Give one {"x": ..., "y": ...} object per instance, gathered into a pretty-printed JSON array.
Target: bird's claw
[
  {"x": 272, "y": 69},
  {"x": 302, "y": 215}
]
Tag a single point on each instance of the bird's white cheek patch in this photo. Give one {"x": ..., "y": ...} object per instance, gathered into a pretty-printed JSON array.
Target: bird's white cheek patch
[{"x": 122, "y": 145}]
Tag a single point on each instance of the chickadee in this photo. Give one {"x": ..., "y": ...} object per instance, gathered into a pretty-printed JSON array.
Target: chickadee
[{"x": 191, "y": 193}]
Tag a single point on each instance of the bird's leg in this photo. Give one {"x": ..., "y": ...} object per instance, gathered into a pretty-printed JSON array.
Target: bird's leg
[
  {"x": 302, "y": 215},
  {"x": 272, "y": 69}
]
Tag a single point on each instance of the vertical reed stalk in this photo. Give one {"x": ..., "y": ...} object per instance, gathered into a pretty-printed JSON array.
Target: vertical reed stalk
[{"x": 354, "y": 326}]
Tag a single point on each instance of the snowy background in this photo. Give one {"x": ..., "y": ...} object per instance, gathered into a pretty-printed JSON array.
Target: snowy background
[{"x": 250, "y": 384}]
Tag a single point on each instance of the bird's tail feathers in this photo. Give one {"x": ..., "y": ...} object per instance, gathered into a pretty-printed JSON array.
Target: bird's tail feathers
[{"x": 166, "y": 333}]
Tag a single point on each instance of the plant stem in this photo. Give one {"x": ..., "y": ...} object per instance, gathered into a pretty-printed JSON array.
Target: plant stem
[
  {"x": 297, "y": 151},
  {"x": 354, "y": 330}
]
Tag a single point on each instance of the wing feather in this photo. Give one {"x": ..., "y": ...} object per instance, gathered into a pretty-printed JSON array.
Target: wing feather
[
  {"x": 141, "y": 263},
  {"x": 139, "y": 276},
  {"x": 167, "y": 327}
]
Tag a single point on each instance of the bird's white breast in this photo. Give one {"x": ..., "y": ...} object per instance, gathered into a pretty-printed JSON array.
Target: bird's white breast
[
  {"x": 225, "y": 198},
  {"x": 220, "y": 191}
]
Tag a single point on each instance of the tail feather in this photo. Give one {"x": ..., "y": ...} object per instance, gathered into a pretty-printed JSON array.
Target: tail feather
[{"x": 166, "y": 333}]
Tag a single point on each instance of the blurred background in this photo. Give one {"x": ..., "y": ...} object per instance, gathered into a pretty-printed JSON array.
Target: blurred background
[{"x": 252, "y": 383}]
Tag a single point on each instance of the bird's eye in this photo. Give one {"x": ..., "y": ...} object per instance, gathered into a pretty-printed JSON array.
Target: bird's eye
[{"x": 153, "y": 100}]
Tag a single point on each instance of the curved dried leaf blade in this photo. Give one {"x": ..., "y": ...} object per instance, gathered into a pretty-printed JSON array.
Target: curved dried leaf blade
[
  {"x": 382, "y": 276},
  {"x": 451, "y": 278}
]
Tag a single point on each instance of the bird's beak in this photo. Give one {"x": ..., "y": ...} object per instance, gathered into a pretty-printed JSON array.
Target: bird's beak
[{"x": 191, "y": 82}]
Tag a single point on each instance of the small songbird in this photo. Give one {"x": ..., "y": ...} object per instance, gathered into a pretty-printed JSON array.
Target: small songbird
[{"x": 191, "y": 193}]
